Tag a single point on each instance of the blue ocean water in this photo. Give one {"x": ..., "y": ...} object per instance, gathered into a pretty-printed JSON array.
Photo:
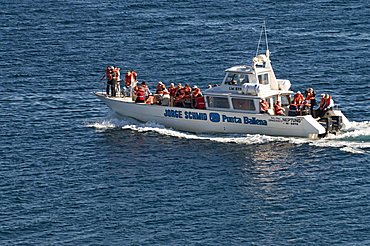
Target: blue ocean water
[{"x": 74, "y": 173}]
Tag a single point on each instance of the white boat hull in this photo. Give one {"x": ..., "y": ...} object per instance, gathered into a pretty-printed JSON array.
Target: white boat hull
[{"x": 210, "y": 121}]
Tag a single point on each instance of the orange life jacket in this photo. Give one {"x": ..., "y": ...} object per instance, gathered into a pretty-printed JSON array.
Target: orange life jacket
[
  {"x": 200, "y": 103},
  {"x": 172, "y": 91},
  {"x": 310, "y": 96},
  {"x": 180, "y": 92},
  {"x": 133, "y": 75},
  {"x": 128, "y": 80},
  {"x": 116, "y": 73},
  {"x": 298, "y": 99},
  {"x": 278, "y": 110},
  {"x": 322, "y": 103},
  {"x": 327, "y": 102},
  {"x": 196, "y": 92},
  {"x": 264, "y": 106},
  {"x": 159, "y": 89},
  {"x": 140, "y": 94}
]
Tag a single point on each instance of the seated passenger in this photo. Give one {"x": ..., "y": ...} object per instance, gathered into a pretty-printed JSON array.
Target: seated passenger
[
  {"x": 180, "y": 95},
  {"x": 165, "y": 100},
  {"x": 159, "y": 88},
  {"x": 278, "y": 110},
  {"x": 140, "y": 95},
  {"x": 298, "y": 99},
  {"x": 187, "y": 90},
  {"x": 320, "y": 110},
  {"x": 329, "y": 105},
  {"x": 264, "y": 106},
  {"x": 142, "y": 92},
  {"x": 159, "y": 92},
  {"x": 146, "y": 89},
  {"x": 194, "y": 94}
]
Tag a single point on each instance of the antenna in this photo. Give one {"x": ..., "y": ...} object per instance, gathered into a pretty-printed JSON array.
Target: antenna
[
  {"x": 263, "y": 30},
  {"x": 267, "y": 44}
]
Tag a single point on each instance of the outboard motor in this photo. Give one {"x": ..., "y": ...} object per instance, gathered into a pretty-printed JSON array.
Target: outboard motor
[{"x": 332, "y": 124}]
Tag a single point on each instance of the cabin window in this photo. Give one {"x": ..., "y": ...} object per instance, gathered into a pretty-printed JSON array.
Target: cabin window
[
  {"x": 243, "y": 104},
  {"x": 236, "y": 79},
  {"x": 218, "y": 102},
  {"x": 263, "y": 79}
]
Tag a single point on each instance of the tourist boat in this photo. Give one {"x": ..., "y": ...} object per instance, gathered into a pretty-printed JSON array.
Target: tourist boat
[{"x": 233, "y": 107}]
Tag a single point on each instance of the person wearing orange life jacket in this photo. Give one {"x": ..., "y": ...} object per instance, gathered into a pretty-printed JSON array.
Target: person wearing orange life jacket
[
  {"x": 310, "y": 98},
  {"x": 117, "y": 75},
  {"x": 298, "y": 99},
  {"x": 172, "y": 91},
  {"x": 130, "y": 82},
  {"x": 194, "y": 94},
  {"x": 264, "y": 106},
  {"x": 179, "y": 97},
  {"x": 160, "y": 88},
  {"x": 328, "y": 105},
  {"x": 128, "y": 79},
  {"x": 142, "y": 93},
  {"x": 113, "y": 77},
  {"x": 319, "y": 111},
  {"x": 187, "y": 90},
  {"x": 165, "y": 98},
  {"x": 278, "y": 109},
  {"x": 109, "y": 77}
]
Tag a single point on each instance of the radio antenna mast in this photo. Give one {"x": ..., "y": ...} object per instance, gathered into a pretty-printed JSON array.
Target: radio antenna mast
[{"x": 263, "y": 31}]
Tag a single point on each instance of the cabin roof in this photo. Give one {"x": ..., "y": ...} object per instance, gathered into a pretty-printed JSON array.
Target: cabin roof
[{"x": 240, "y": 69}]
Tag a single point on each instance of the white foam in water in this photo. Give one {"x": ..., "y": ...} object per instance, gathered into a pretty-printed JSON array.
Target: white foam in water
[
  {"x": 108, "y": 124},
  {"x": 352, "y": 140}
]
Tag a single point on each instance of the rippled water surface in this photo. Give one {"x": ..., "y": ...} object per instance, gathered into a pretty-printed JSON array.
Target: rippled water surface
[{"x": 74, "y": 173}]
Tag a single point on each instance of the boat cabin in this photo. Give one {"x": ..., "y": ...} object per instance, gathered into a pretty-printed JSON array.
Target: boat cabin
[{"x": 244, "y": 86}]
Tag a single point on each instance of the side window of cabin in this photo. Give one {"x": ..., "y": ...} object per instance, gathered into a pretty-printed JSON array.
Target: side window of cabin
[
  {"x": 243, "y": 104},
  {"x": 218, "y": 102},
  {"x": 263, "y": 79}
]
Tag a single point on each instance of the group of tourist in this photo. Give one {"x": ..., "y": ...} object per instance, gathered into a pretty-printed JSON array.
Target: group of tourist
[
  {"x": 178, "y": 96},
  {"x": 264, "y": 107},
  {"x": 187, "y": 96},
  {"x": 113, "y": 76},
  {"x": 301, "y": 105}
]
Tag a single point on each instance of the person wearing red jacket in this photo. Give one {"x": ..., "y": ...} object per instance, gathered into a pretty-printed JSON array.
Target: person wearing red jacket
[
  {"x": 278, "y": 109},
  {"x": 264, "y": 106}
]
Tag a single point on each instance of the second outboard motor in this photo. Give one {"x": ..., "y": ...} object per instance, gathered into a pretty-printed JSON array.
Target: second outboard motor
[{"x": 337, "y": 123}]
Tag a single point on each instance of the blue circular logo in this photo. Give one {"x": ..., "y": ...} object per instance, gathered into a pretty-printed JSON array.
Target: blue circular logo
[{"x": 214, "y": 117}]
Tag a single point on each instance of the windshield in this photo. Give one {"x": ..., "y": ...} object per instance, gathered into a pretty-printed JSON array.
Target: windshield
[{"x": 237, "y": 79}]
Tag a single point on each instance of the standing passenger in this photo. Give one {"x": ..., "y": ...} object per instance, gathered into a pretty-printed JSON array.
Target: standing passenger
[
  {"x": 108, "y": 76},
  {"x": 172, "y": 91}
]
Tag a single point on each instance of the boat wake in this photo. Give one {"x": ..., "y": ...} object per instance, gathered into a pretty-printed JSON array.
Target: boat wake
[{"x": 355, "y": 140}]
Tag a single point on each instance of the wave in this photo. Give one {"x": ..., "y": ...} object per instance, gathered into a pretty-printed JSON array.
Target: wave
[{"x": 355, "y": 140}]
